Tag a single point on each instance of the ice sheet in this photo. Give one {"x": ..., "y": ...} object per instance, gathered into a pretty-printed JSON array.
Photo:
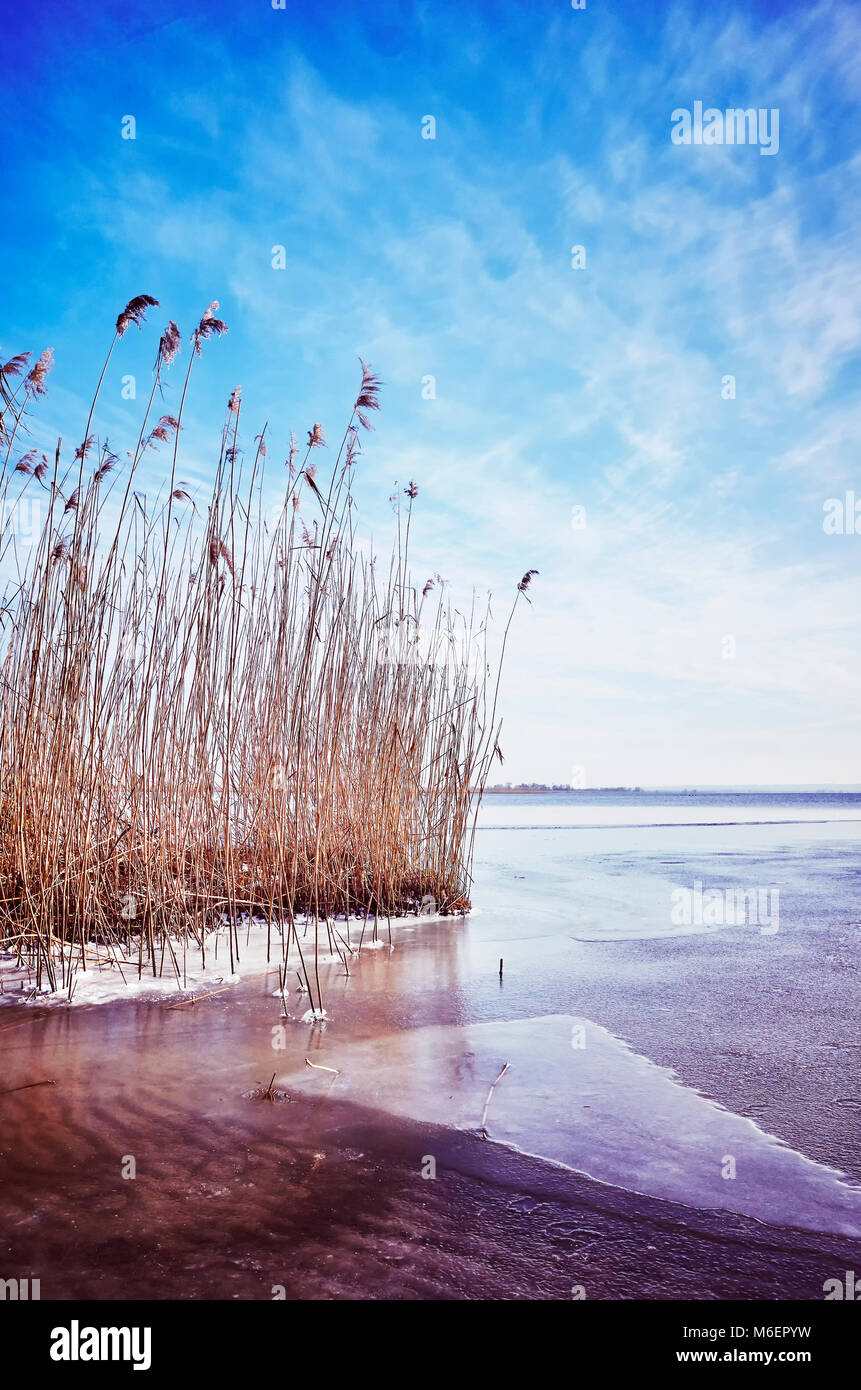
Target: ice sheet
[
  {"x": 259, "y": 953},
  {"x": 578, "y": 1096}
]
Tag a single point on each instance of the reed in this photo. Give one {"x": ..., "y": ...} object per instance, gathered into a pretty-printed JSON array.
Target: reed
[{"x": 222, "y": 713}]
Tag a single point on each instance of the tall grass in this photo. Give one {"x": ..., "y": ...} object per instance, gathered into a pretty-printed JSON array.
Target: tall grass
[{"x": 216, "y": 713}]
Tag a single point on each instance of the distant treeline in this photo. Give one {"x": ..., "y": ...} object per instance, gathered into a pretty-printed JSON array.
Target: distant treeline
[{"x": 503, "y": 788}]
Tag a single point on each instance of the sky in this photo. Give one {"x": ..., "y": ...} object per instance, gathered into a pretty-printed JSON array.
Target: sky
[{"x": 660, "y": 422}]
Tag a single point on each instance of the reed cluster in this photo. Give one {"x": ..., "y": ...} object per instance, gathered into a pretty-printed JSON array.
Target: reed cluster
[{"x": 215, "y": 713}]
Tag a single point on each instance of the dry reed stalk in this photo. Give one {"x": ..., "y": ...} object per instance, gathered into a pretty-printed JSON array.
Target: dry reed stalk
[{"x": 482, "y": 1128}]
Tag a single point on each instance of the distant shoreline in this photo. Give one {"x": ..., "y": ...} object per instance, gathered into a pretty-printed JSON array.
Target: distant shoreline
[
  {"x": 832, "y": 789},
  {"x": 559, "y": 791}
]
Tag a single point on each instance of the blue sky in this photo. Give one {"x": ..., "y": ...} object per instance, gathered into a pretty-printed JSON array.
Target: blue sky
[{"x": 556, "y": 387}]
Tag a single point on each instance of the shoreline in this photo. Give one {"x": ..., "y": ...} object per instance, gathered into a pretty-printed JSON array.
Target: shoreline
[
  {"x": 350, "y": 1217},
  {"x": 108, "y": 983},
  {"x": 324, "y": 1194}
]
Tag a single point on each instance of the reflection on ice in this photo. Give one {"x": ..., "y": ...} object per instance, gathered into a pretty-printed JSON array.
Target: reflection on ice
[{"x": 578, "y": 1096}]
